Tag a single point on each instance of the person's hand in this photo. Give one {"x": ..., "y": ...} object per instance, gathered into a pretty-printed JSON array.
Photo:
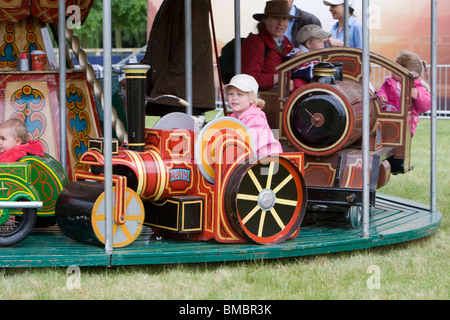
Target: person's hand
[
  {"x": 383, "y": 100},
  {"x": 332, "y": 42},
  {"x": 414, "y": 93},
  {"x": 275, "y": 79}
]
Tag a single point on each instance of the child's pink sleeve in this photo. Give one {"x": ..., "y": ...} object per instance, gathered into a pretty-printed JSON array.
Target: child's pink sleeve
[
  {"x": 423, "y": 102},
  {"x": 265, "y": 142},
  {"x": 382, "y": 91},
  {"x": 255, "y": 122}
]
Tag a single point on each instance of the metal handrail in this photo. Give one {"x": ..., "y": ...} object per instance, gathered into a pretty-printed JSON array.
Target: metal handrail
[{"x": 21, "y": 204}]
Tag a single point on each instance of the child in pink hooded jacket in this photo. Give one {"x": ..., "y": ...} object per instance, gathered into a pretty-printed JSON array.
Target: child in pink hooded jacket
[
  {"x": 242, "y": 94},
  {"x": 390, "y": 91}
]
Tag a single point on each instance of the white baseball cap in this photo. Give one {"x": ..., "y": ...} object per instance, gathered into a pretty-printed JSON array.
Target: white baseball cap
[
  {"x": 338, "y": 2},
  {"x": 244, "y": 82}
]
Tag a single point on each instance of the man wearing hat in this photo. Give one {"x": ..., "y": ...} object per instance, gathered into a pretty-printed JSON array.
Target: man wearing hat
[
  {"x": 337, "y": 8},
  {"x": 263, "y": 52},
  {"x": 295, "y": 25}
]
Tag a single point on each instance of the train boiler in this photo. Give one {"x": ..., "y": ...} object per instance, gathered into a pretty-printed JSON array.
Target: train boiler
[
  {"x": 185, "y": 183},
  {"x": 323, "y": 119}
]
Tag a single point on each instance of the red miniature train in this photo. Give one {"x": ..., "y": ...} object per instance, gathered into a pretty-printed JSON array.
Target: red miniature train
[{"x": 187, "y": 184}]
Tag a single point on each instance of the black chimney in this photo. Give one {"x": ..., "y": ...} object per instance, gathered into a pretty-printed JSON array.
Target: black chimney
[
  {"x": 136, "y": 75},
  {"x": 324, "y": 73}
]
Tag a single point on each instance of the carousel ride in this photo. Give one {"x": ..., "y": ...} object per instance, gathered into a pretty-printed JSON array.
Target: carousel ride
[{"x": 177, "y": 182}]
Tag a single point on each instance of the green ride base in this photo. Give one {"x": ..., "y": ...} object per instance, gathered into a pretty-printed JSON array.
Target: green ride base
[{"x": 394, "y": 220}]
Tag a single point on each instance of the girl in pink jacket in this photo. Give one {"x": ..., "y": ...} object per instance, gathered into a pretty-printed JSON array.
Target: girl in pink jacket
[
  {"x": 242, "y": 94},
  {"x": 389, "y": 93}
]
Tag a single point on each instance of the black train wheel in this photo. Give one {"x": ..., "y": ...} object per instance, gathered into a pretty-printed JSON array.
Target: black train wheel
[
  {"x": 17, "y": 226},
  {"x": 265, "y": 202},
  {"x": 80, "y": 214}
]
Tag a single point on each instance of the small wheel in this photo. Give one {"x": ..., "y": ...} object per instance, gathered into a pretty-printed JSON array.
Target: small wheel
[
  {"x": 19, "y": 225},
  {"x": 265, "y": 202},
  {"x": 123, "y": 234},
  {"x": 354, "y": 215}
]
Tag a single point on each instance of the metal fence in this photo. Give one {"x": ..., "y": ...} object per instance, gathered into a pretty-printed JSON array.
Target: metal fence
[{"x": 443, "y": 77}]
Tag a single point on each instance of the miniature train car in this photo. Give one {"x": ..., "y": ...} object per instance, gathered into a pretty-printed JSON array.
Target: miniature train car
[
  {"x": 29, "y": 190},
  {"x": 323, "y": 119},
  {"x": 186, "y": 184}
]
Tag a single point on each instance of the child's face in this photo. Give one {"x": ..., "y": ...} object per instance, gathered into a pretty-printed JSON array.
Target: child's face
[
  {"x": 239, "y": 101},
  {"x": 315, "y": 44},
  {"x": 8, "y": 139}
]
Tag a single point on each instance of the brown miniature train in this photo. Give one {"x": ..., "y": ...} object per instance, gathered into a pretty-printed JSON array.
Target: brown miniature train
[
  {"x": 207, "y": 184},
  {"x": 323, "y": 119}
]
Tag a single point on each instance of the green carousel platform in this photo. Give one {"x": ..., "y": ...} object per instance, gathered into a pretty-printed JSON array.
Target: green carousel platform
[{"x": 394, "y": 220}]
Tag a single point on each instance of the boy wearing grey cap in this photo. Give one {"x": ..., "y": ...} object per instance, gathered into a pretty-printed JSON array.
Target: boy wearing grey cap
[{"x": 311, "y": 37}]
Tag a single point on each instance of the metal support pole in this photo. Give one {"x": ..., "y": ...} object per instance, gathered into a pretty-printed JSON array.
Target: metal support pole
[
  {"x": 237, "y": 37},
  {"x": 346, "y": 16},
  {"x": 62, "y": 83},
  {"x": 366, "y": 118},
  {"x": 433, "y": 173},
  {"x": 188, "y": 56},
  {"x": 107, "y": 123}
]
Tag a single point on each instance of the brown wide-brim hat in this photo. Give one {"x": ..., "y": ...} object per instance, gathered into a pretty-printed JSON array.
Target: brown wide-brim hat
[{"x": 275, "y": 9}]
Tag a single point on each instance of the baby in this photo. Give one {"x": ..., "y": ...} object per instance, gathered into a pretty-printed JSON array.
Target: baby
[
  {"x": 14, "y": 143},
  {"x": 390, "y": 91},
  {"x": 311, "y": 37},
  {"x": 242, "y": 95}
]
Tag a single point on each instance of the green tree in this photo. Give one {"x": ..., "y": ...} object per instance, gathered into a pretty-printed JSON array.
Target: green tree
[{"x": 129, "y": 24}]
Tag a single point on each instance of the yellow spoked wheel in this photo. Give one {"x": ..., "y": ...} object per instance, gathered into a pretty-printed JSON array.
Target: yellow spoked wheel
[
  {"x": 123, "y": 234},
  {"x": 265, "y": 202}
]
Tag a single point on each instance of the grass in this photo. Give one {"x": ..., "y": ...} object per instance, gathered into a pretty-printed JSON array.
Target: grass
[{"x": 412, "y": 270}]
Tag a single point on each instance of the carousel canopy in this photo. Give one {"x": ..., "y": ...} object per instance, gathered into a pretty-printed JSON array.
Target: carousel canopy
[{"x": 12, "y": 11}]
